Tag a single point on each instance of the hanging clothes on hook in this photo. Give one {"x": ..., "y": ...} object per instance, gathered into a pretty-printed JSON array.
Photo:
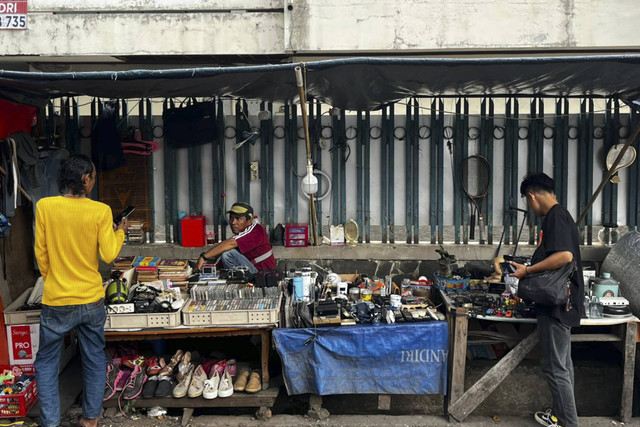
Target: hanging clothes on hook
[
  {"x": 106, "y": 149},
  {"x": 133, "y": 143}
]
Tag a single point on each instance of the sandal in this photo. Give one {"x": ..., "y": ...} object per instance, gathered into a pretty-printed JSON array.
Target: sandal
[{"x": 167, "y": 370}]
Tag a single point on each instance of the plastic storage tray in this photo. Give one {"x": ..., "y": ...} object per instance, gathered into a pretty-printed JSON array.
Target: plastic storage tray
[
  {"x": 451, "y": 284},
  {"x": 14, "y": 317},
  {"x": 142, "y": 320},
  {"x": 17, "y": 405},
  {"x": 229, "y": 317}
]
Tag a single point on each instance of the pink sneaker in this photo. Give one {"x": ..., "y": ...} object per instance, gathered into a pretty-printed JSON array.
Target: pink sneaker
[
  {"x": 231, "y": 367},
  {"x": 219, "y": 368},
  {"x": 122, "y": 380},
  {"x": 208, "y": 365}
]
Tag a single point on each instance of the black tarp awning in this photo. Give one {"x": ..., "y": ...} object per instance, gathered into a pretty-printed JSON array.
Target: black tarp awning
[{"x": 354, "y": 83}]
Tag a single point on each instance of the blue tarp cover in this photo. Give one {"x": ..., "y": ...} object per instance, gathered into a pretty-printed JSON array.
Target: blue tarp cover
[{"x": 385, "y": 359}]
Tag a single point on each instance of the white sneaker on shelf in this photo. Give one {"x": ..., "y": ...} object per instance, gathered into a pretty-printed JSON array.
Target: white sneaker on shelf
[
  {"x": 226, "y": 385},
  {"x": 211, "y": 386}
]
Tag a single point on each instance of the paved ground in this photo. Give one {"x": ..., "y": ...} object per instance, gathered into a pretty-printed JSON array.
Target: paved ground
[{"x": 282, "y": 420}]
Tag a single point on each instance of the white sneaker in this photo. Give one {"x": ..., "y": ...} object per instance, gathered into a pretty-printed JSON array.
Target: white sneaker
[
  {"x": 211, "y": 386},
  {"x": 546, "y": 418},
  {"x": 226, "y": 385}
]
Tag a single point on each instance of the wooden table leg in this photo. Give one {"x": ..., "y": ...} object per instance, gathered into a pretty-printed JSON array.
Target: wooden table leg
[
  {"x": 187, "y": 413},
  {"x": 266, "y": 342},
  {"x": 459, "y": 349},
  {"x": 629, "y": 360},
  {"x": 461, "y": 408}
]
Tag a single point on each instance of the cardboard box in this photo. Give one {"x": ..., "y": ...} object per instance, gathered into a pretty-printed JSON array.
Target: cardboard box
[
  {"x": 23, "y": 343},
  {"x": 193, "y": 231},
  {"x": 351, "y": 278},
  {"x": 13, "y": 316}
]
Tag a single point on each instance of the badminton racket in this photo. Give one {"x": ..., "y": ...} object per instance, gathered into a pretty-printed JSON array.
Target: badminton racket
[{"x": 475, "y": 179}]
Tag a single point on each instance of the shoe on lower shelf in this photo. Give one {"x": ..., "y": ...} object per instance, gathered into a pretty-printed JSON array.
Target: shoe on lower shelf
[
  {"x": 133, "y": 388},
  {"x": 231, "y": 367},
  {"x": 255, "y": 382},
  {"x": 197, "y": 382},
  {"x": 183, "y": 386},
  {"x": 113, "y": 376},
  {"x": 241, "y": 379},
  {"x": 149, "y": 388},
  {"x": 211, "y": 386},
  {"x": 167, "y": 370},
  {"x": 154, "y": 365},
  {"x": 225, "y": 389},
  {"x": 165, "y": 386}
]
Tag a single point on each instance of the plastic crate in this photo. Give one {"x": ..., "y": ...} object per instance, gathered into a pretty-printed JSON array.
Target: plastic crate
[
  {"x": 446, "y": 284},
  {"x": 14, "y": 317},
  {"x": 17, "y": 405},
  {"x": 142, "y": 320},
  {"x": 229, "y": 317}
]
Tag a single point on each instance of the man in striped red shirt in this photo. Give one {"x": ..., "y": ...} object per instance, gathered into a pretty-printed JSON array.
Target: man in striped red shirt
[{"x": 249, "y": 246}]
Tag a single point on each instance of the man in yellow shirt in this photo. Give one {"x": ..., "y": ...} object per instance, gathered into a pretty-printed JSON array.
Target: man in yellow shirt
[{"x": 72, "y": 232}]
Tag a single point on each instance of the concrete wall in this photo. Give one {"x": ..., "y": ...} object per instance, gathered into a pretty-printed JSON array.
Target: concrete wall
[
  {"x": 138, "y": 27},
  {"x": 436, "y": 25},
  {"x": 99, "y": 31}
]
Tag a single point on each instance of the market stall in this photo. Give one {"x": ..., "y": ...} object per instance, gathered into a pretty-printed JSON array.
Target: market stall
[{"x": 461, "y": 403}]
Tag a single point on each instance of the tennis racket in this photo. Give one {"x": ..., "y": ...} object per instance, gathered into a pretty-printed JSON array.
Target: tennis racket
[{"x": 475, "y": 179}]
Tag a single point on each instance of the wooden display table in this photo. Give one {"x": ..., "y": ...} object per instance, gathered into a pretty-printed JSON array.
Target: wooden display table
[{"x": 461, "y": 403}]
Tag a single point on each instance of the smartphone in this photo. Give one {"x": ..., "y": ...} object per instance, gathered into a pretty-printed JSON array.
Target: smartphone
[
  {"x": 125, "y": 213},
  {"x": 507, "y": 268}
]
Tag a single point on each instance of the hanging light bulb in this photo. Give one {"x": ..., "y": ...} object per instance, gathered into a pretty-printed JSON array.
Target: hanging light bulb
[{"x": 309, "y": 182}]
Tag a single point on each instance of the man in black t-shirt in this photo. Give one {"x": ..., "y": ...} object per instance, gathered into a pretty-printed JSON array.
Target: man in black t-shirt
[{"x": 557, "y": 246}]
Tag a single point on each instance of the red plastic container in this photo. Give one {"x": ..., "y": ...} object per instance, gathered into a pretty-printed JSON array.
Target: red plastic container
[
  {"x": 193, "y": 231},
  {"x": 17, "y": 405}
]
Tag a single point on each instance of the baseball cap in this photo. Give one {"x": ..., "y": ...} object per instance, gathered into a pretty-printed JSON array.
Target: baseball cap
[{"x": 241, "y": 208}]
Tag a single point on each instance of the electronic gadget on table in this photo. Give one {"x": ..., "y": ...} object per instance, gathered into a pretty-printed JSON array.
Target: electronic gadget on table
[{"x": 125, "y": 213}]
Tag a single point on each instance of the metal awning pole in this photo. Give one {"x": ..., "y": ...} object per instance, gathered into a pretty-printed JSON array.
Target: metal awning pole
[{"x": 305, "y": 124}]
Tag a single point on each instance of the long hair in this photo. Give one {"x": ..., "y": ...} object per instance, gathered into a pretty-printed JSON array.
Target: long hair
[{"x": 71, "y": 172}]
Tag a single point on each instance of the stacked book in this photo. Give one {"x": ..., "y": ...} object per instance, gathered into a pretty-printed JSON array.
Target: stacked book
[
  {"x": 176, "y": 270},
  {"x": 147, "y": 268},
  {"x": 123, "y": 263},
  {"x": 135, "y": 233}
]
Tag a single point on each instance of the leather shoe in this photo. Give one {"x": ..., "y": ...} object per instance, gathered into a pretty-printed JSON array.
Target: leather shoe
[{"x": 255, "y": 383}]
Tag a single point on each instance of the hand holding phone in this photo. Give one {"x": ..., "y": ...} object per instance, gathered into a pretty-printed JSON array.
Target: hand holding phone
[
  {"x": 507, "y": 268},
  {"x": 125, "y": 213}
]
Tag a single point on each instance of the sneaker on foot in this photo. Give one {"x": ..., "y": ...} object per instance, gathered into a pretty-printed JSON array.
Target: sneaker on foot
[
  {"x": 211, "y": 386},
  {"x": 225, "y": 389},
  {"x": 546, "y": 418}
]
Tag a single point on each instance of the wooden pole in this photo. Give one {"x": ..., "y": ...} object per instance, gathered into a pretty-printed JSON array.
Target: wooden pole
[{"x": 305, "y": 124}]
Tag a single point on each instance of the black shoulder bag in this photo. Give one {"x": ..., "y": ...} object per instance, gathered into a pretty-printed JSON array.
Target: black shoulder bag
[{"x": 549, "y": 288}]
